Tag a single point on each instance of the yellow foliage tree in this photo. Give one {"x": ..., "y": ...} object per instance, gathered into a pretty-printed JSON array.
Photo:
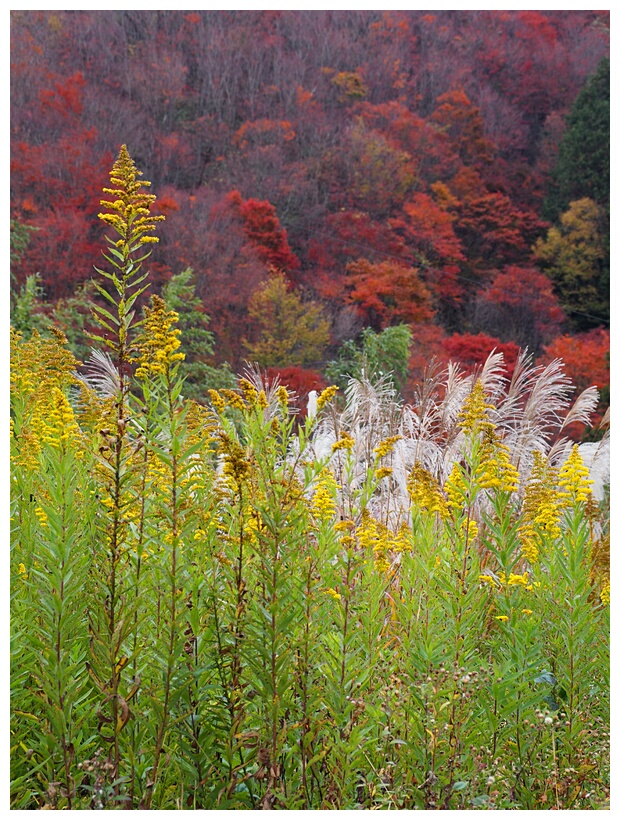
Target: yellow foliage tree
[
  {"x": 575, "y": 258},
  {"x": 290, "y": 332}
]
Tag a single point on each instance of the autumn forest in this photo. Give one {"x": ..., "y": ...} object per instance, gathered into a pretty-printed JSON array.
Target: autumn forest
[{"x": 445, "y": 171}]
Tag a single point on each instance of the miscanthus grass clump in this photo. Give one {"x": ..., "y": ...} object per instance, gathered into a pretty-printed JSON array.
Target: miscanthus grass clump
[{"x": 222, "y": 607}]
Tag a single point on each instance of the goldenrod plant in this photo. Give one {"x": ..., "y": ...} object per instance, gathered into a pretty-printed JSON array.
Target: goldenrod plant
[{"x": 224, "y": 606}]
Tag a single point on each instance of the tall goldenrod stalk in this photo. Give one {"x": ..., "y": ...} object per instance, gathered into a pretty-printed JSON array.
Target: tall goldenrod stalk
[{"x": 130, "y": 218}]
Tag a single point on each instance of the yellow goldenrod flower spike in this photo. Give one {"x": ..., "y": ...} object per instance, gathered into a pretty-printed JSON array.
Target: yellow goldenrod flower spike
[
  {"x": 326, "y": 396},
  {"x": 495, "y": 471},
  {"x": 345, "y": 442},
  {"x": 456, "y": 487},
  {"x": 332, "y": 592},
  {"x": 488, "y": 579},
  {"x": 233, "y": 399},
  {"x": 424, "y": 491},
  {"x": 282, "y": 396},
  {"x": 542, "y": 509},
  {"x": 217, "y": 401},
  {"x": 159, "y": 343},
  {"x": 573, "y": 477},
  {"x": 324, "y": 497},
  {"x": 605, "y": 594},
  {"x": 131, "y": 219},
  {"x": 386, "y": 446},
  {"x": 249, "y": 391},
  {"x": 475, "y": 413}
]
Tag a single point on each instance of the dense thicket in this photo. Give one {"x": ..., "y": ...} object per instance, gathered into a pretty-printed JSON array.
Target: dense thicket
[{"x": 392, "y": 164}]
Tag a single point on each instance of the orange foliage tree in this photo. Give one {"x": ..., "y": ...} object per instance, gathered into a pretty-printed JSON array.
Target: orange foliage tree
[{"x": 387, "y": 293}]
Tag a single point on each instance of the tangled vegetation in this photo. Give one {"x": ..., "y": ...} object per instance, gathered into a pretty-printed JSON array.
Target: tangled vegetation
[{"x": 229, "y": 607}]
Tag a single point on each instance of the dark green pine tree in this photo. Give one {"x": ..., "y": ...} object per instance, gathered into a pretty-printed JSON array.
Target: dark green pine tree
[
  {"x": 582, "y": 172},
  {"x": 197, "y": 341},
  {"x": 582, "y": 167}
]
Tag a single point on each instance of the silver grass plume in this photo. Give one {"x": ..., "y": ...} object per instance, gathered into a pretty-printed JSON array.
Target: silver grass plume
[
  {"x": 100, "y": 375},
  {"x": 531, "y": 409}
]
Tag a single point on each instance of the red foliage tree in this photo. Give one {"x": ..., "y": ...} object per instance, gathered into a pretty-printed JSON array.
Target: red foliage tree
[
  {"x": 586, "y": 360},
  {"x": 519, "y": 305},
  {"x": 207, "y": 235},
  {"x": 345, "y": 236},
  {"x": 494, "y": 233},
  {"x": 56, "y": 188},
  {"x": 262, "y": 227},
  {"x": 430, "y": 148},
  {"x": 472, "y": 351},
  {"x": 457, "y": 116}
]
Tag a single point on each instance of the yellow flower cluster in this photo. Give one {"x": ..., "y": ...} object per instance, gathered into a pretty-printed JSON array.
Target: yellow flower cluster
[
  {"x": 372, "y": 535},
  {"x": 490, "y": 580},
  {"x": 542, "y": 509},
  {"x": 217, "y": 401},
  {"x": 254, "y": 526},
  {"x": 236, "y": 466},
  {"x": 28, "y": 450},
  {"x": 605, "y": 594},
  {"x": 326, "y": 396},
  {"x": 324, "y": 497},
  {"x": 573, "y": 477},
  {"x": 60, "y": 424},
  {"x": 201, "y": 426},
  {"x": 514, "y": 579},
  {"x": 40, "y": 362},
  {"x": 474, "y": 417},
  {"x": 345, "y": 442},
  {"x": 496, "y": 470},
  {"x": 249, "y": 391},
  {"x": 375, "y": 536},
  {"x": 386, "y": 446},
  {"x": 41, "y": 371},
  {"x": 159, "y": 343},
  {"x": 500, "y": 581},
  {"x": 282, "y": 396},
  {"x": 424, "y": 492},
  {"x": 469, "y": 529},
  {"x": 233, "y": 399},
  {"x": 456, "y": 488},
  {"x": 383, "y": 472},
  {"x": 131, "y": 217}
]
